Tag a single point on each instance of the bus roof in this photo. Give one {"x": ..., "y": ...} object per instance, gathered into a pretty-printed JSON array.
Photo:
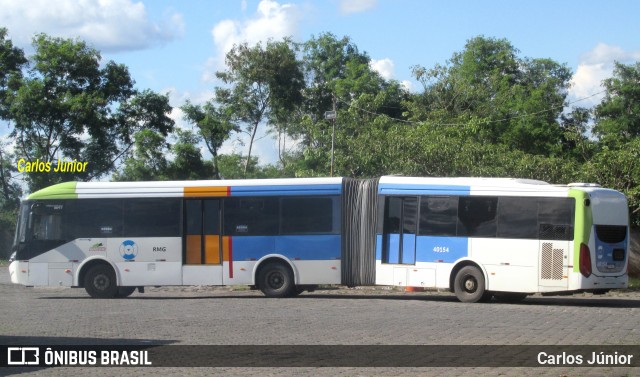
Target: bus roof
[
  {"x": 239, "y": 187},
  {"x": 468, "y": 186},
  {"x": 304, "y": 186}
]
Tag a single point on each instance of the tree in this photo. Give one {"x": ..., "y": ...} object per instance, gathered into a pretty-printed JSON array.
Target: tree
[
  {"x": 339, "y": 74},
  {"x": 263, "y": 83},
  {"x": 69, "y": 107},
  {"x": 12, "y": 60},
  {"x": 518, "y": 99},
  {"x": 618, "y": 115},
  {"x": 214, "y": 126},
  {"x": 188, "y": 162},
  {"x": 147, "y": 161}
]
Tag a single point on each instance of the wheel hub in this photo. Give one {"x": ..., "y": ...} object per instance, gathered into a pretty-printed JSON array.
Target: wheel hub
[{"x": 470, "y": 285}]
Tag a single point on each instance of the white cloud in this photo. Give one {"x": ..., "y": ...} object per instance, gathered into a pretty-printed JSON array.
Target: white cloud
[
  {"x": 594, "y": 67},
  {"x": 385, "y": 67},
  {"x": 356, "y": 6},
  {"x": 407, "y": 85},
  {"x": 177, "y": 99},
  {"x": 109, "y": 25},
  {"x": 272, "y": 20}
]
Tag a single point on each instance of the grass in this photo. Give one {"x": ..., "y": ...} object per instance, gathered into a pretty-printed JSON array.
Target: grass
[{"x": 634, "y": 284}]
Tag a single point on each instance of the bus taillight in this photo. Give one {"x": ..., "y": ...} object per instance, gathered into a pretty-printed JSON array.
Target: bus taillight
[{"x": 585, "y": 260}]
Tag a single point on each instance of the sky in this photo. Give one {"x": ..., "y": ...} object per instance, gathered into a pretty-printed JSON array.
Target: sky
[{"x": 176, "y": 47}]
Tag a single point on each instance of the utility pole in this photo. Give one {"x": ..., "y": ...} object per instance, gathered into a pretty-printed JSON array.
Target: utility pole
[{"x": 332, "y": 116}]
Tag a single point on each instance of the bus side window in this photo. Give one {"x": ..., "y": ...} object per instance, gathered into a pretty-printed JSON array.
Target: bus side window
[
  {"x": 438, "y": 215},
  {"x": 251, "y": 216},
  {"x": 477, "y": 216},
  {"x": 518, "y": 217},
  {"x": 305, "y": 215},
  {"x": 93, "y": 218}
]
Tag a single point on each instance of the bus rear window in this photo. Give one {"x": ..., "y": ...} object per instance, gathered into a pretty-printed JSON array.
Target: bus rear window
[{"x": 611, "y": 233}]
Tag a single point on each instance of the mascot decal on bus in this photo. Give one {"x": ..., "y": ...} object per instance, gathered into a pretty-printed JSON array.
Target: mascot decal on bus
[{"x": 128, "y": 250}]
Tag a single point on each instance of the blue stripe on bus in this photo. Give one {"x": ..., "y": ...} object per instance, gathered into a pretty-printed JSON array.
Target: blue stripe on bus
[
  {"x": 421, "y": 189},
  {"x": 322, "y": 189},
  {"x": 314, "y": 247},
  {"x": 441, "y": 249},
  {"x": 427, "y": 248}
]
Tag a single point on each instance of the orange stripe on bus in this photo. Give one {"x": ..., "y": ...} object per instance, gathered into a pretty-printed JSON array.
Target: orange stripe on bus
[{"x": 206, "y": 191}]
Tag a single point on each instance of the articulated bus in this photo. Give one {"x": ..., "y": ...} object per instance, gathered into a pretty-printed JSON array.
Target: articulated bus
[{"x": 478, "y": 237}]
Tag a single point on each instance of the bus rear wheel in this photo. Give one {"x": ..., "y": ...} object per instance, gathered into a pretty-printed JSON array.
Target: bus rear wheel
[
  {"x": 510, "y": 297},
  {"x": 276, "y": 280},
  {"x": 100, "y": 282},
  {"x": 469, "y": 285}
]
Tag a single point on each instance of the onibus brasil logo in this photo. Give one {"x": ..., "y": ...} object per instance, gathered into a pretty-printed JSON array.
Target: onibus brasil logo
[{"x": 128, "y": 250}]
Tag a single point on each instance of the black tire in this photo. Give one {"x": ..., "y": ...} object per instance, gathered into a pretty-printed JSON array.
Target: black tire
[
  {"x": 296, "y": 291},
  {"x": 510, "y": 297},
  {"x": 125, "y": 291},
  {"x": 100, "y": 282},
  {"x": 469, "y": 285},
  {"x": 276, "y": 280}
]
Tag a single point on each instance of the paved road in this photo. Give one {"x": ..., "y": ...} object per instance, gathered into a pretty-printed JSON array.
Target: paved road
[{"x": 220, "y": 316}]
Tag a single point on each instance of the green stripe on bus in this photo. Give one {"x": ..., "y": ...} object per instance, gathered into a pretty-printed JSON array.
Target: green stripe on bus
[
  {"x": 65, "y": 190},
  {"x": 584, "y": 223}
]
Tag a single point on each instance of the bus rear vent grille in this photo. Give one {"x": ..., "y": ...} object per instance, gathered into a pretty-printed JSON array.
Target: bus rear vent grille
[{"x": 551, "y": 263}]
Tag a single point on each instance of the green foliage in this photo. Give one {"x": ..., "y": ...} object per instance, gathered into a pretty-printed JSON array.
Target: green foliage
[
  {"x": 148, "y": 161},
  {"x": 263, "y": 85},
  {"x": 188, "y": 163},
  {"x": 232, "y": 166},
  {"x": 12, "y": 60},
  {"x": 519, "y": 99},
  {"x": 69, "y": 106},
  {"x": 619, "y": 169},
  {"x": 214, "y": 126},
  {"x": 618, "y": 116}
]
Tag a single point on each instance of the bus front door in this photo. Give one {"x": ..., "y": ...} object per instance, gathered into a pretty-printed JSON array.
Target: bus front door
[{"x": 202, "y": 255}]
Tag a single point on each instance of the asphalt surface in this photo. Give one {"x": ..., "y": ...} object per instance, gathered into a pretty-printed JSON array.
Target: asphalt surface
[{"x": 225, "y": 316}]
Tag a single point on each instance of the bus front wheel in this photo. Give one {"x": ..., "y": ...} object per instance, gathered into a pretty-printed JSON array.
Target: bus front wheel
[
  {"x": 100, "y": 282},
  {"x": 276, "y": 280},
  {"x": 125, "y": 291},
  {"x": 469, "y": 285}
]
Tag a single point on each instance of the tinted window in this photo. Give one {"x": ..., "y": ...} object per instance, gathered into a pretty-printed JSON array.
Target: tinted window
[
  {"x": 477, "y": 216},
  {"x": 438, "y": 215},
  {"x": 251, "y": 216},
  {"x": 555, "y": 218},
  {"x": 307, "y": 215},
  {"x": 518, "y": 217},
  {"x": 152, "y": 217},
  {"x": 409, "y": 216},
  {"x": 89, "y": 218},
  {"x": 194, "y": 217},
  {"x": 46, "y": 221},
  {"x": 556, "y": 210},
  {"x": 211, "y": 217},
  {"x": 393, "y": 213}
]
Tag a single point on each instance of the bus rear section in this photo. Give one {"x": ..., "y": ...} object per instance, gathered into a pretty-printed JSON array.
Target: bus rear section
[{"x": 601, "y": 245}]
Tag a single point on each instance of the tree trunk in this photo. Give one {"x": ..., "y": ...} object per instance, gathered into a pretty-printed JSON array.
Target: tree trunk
[{"x": 253, "y": 136}]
